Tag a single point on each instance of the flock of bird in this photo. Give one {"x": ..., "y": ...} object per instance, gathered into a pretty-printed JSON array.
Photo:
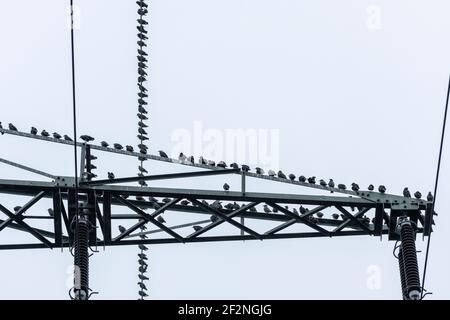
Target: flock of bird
[{"x": 271, "y": 173}]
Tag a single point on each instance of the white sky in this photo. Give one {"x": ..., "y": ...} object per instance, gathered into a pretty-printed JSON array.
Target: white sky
[{"x": 350, "y": 102}]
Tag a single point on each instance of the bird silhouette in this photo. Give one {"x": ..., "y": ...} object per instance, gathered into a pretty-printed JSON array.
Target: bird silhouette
[
  {"x": 267, "y": 209},
  {"x": 12, "y": 127},
  {"x": 226, "y": 187},
  {"x": 355, "y": 187},
  {"x": 142, "y": 169},
  {"x": 142, "y": 293},
  {"x": 221, "y": 164},
  {"x": 211, "y": 163},
  {"x": 129, "y": 148},
  {"x": 331, "y": 183},
  {"x": 142, "y": 116},
  {"x": 245, "y": 168},
  {"x": 322, "y": 183},
  {"x": 142, "y": 21},
  {"x": 45, "y": 133},
  {"x": 319, "y": 214},
  {"x": 312, "y": 180},
  {"x": 406, "y": 193},
  {"x": 142, "y": 285},
  {"x": 122, "y": 229},
  {"x": 162, "y": 154},
  {"x": 111, "y": 176},
  {"x": 86, "y": 138},
  {"x": 142, "y": 277},
  {"x": 118, "y": 146},
  {"x": 342, "y": 186},
  {"x": 160, "y": 219},
  {"x": 104, "y": 144},
  {"x": 417, "y": 195},
  {"x": 142, "y": 4},
  {"x": 430, "y": 197},
  {"x": 33, "y": 131},
  {"x": 371, "y": 187},
  {"x": 234, "y": 165},
  {"x": 302, "y": 210},
  {"x": 56, "y": 135},
  {"x": 302, "y": 179},
  {"x": 259, "y": 170},
  {"x": 281, "y": 175},
  {"x": 185, "y": 202},
  {"x": 142, "y": 256},
  {"x": 142, "y": 247},
  {"x": 17, "y": 208},
  {"x": 335, "y": 216},
  {"x": 382, "y": 189},
  {"x": 142, "y": 124},
  {"x": 67, "y": 138},
  {"x": 51, "y": 213},
  {"x": 197, "y": 228},
  {"x": 182, "y": 157}
]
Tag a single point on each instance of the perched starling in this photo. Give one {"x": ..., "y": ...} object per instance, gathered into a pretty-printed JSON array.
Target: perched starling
[
  {"x": 213, "y": 218},
  {"x": 87, "y": 138},
  {"x": 122, "y": 229},
  {"x": 142, "y": 169},
  {"x": 17, "y": 208},
  {"x": 142, "y": 294},
  {"x": 142, "y": 21},
  {"x": 267, "y": 209},
  {"x": 142, "y": 124},
  {"x": 51, "y": 213},
  {"x": 141, "y": 29},
  {"x": 104, "y": 144},
  {"x": 406, "y": 193},
  {"x": 191, "y": 159},
  {"x": 142, "y": 285},
  {"x": 142, "y": 256},
  {"x": 281, "y": 175},
  {"x": 56, "y": 135},
  {"x": 221, "y": 164},
  {"x": 197, "y": 228},
  {"x": 33, "y": 131},
  {"x": 252, "y": 209},
  {"x": 370, "y": 187},
  {"x": 142, "y": 269},
  {"x": 45, "y": 133},
  {"x": 111, "y": 176},
  {"x": 142, "y": 277},
  {"x": 319, "y": 214},
  {"x": 245, "y": 168},
  {"x": 202, "y": 160},
  {"x": 312, "y": 180},
  {"x": 141, "y": 109},
  {"x": 118, "y": 146},
  {"x": 142, "y": 247},
  {"x": 342, "y": 186},
  {"x": 211, "y": 163},
  {"x": 302, "y": 179},
  {"x": 322, "y": 183},
  {"x": 430, "y": 197},
  {"x": 292, "y": 176},
  {"x": 162, "y": 154},
  {"x": 355, "y": 187},
  {"x": 226, "y": 187},
  {"x": 335, "y": 216},
  {"x": 302, "y": 210},
  {"x": 417, "y": 195},
  {"x": 129, "y": 148},
  {"x": 142, "y": 4},
  {"x": 259, "y": 170},
  {"x": 160, "y": 219},
  {"x": 142, "y": 116},
  {"x": 181, "y": 157},
  {"x": 234, "y": 165},
  {"x": 12, "y": 127},
  {"x": 67, "y": 138},
  {"x": 382, "y": 189},
  {"x": 331, "y": 183}
]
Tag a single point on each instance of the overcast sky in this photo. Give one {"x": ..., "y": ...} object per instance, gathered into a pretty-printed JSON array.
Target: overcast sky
[{"x": 352, "y": 90}]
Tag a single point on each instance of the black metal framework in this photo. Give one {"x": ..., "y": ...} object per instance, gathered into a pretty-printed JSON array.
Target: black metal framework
[{"x": 360, "y": 213}]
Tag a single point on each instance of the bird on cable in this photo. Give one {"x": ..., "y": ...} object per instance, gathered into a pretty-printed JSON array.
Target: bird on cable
[
  {"x": 111, "y": 176},
  {"x": 17, "y": 208},
  {"x": 142, "y": 131},
  {"x": 226, "y": 187},
  {"x": 142, "y": 94},
  {"x": 87, "y": 138},
  {"x": 45, "y": 133},
  {"x": 142, "y": 294},
  {"x": 281, "y": 175},
  {"x": 302, "y": 179},
  {"x": 129, "y": 148},
  {"x": 295, "y": 211},
  {"x": 12, "y": 127},
  {"x": 370, "y": 187},
  {"x": 67, "y": 138},
  {"x": 142, "y": 21},
  {"x": 222, "y": 164},
  {"x": 122, "y": 229},
  {"x": 417, "y": 195},
  {"x": 142, "y": 102},
  {"x": 56, "y": 135},
  {"x": 142, "y": 158},
  {"x": 162, "y": 154},
  {"x": 141, "y": 43},
  {"x": 267, "y": 209},
  {"x": 142, "y": 52},
  {"x": 197, "y": 228},
  {"x": 245, "y": 168},
  {"x": 160, "y": 219},
  {"x": 142, "y": 247},
  {"x": 302, "y": 210},
  {"x": 142, "y": 183},
  {"x": 142, "y": 11},
  {"x": 142, "y": 169},
  {"x": 142, "y": 59},
  {"x": 142, "y": 146},
  {"x": 142, "y": 269},
  {"x": 202, "y": 160},
  {"x": 211, "y": 163},
  {"x": 319, "y": 214},
  {"x": 430, "y": 197},
  {"x": 335, "y": 216},
  {"x": 342, "y": 186},
  {"x": 236, "y": 206},
  {"x": 142, "y": 4},
  {"x": 141, "y": 29},
  {"x": 382, "y": 189},
  {"x": 271, "y": 173},
  {"x": 142, "y": 79},
  {"x": 234, "y": 165},
  {"x": 229, "y": 206},
  {"x": 104, "y": 144},
  {"x": 118, "y": 146},
  {"x": 142, "y": 277},
  {"x": 292, "y": 176},
  {"x": 142, "y": 256},
  {"x": 142, "y": 285},
  {"x": 142, "y": 137},
  {"x": 51, "y": 213},
  {"x": 322, "y": 183},
  {"x": 312, "y": 180},
  {"x": 355, "y": 187},
  {"x": 142, "y": 124},
  {"x": 92, "y": 157},
  {"x": 34, "y": 131},
  {"x": 142, "y": 72},
  {"x": 93, "y": 167},
  {"x": 142, "y": 36},
  {"x": 259, "y": 170},
  {"x": 406, "y": 193}
]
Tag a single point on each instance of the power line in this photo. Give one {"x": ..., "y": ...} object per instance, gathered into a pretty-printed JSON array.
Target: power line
[{"x": 438, "y": 169}]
